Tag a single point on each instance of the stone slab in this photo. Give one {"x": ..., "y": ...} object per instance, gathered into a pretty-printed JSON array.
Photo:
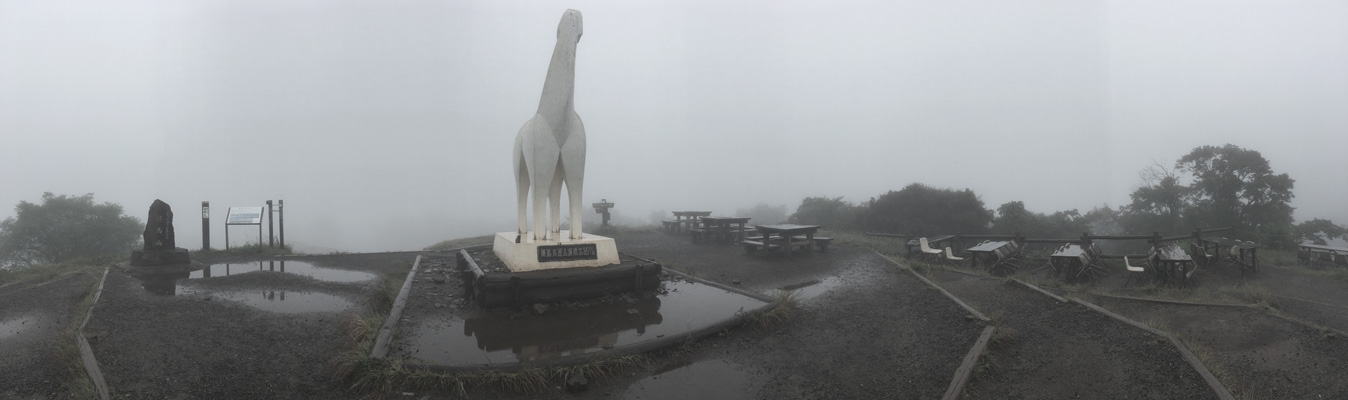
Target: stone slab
[
  {"x": 588, "y": 251},
  {"x": 151, "y": 258}
]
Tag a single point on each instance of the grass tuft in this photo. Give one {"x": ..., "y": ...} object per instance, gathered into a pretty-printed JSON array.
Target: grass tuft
[{"x": 787, "y": 305}]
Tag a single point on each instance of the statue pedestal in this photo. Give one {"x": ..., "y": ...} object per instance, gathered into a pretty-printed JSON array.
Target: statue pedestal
[{"x": 530, "y": 255}]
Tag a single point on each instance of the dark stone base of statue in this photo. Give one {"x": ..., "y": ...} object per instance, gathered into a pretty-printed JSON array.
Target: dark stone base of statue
[{"x": 157, "y": 258}]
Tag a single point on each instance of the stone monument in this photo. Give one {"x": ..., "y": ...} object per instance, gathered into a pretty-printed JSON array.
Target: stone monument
[
  {"x": 159, "y": 249},
  {"x": 550, "y": 152},
  {"x": 160, "y": 263}
]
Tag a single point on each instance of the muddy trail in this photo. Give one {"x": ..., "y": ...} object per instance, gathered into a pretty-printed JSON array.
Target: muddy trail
[
  {"x": 1045, "y": 348},
  {"x": 1256, "y": 355},
  {"x": 33, "y": 323}
]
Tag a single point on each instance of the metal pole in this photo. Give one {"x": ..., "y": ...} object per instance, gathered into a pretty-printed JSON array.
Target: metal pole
[
  {"x": 271, "y": 227},
  {"x": 205, "y": 225},
  {"x": 281, "y": 209}
]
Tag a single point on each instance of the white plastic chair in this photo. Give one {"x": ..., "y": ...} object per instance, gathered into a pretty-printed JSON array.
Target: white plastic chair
[
  {"x": 950, "y": 256},
  {"x": 1133, "y": 272},
  {"x": 926, "y": 248}
]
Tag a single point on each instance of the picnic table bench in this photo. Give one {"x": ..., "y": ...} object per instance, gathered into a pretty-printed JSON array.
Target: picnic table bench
[
  {"x": 782, "y": 237},
  {"x": 1316, "y": 255},
  {"x": 1074, "y": 261},
  {"x": 720, "y": 229},
  {"x": 1170, "y": 262},
  {"x": 991, "y": 254},
  {"x": 688, "y": 219},
  {"x": 1244, "y": 254}
]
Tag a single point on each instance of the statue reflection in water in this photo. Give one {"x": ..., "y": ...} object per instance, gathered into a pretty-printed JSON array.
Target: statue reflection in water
[{"x": 562, "y": 333}]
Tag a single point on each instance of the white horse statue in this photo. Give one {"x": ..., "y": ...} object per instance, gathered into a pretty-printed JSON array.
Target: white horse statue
[{"x": 550, "y": 148}]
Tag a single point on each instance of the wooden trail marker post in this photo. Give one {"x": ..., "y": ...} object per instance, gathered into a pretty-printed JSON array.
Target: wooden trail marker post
[{"x": 602, "y": 208}]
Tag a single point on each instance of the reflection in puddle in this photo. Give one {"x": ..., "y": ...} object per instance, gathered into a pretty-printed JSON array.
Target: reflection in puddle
[
  {"x": 279, "y": 301},
  {"x": 291, "y": 267},
  {"x": 714, "y": 379},
  {"x": 811, "y": 289},
  {"x": 10, "y": 327},
  {"x": 494, "y": 338}
]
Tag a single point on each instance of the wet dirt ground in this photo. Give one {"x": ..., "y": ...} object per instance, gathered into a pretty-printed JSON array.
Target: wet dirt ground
[
  {"x": 32, "y": 320},
  {"x": 259, "y": 334},
  {"x": 1050, "y": 349},
  {"x": 1261, "y": 356},
  {"x": 1253, "y": 351}
]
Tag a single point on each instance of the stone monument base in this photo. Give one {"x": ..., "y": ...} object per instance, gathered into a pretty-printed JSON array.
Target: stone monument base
[
  {"x": 154, "y": 258},
  {"x": 530, "y": 255}
]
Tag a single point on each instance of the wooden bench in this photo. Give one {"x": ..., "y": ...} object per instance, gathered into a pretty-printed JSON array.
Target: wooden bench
[
  {"x": 820, "y": 242},
  {"x": 751, "y": 245},
  {"x": 670, "y": 225},
  {"x": 699, "y": 234}
]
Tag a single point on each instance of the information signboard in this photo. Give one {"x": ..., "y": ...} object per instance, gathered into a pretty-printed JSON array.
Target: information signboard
[{"x": 244, "y": 216}]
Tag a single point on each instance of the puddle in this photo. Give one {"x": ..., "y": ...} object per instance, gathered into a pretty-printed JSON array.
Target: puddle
[
  {"x": 811, "y": 289},
  {"x": 13, "y": 326},
  {"x": 714, "y": 379},
  {"x": 290, "y": 267},
  {"x": 496, "y": 339},
  {"x": 279, "y": 300}
]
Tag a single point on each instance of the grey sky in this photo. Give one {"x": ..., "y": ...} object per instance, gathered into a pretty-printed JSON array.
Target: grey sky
[{"x": 389, "y": 125}]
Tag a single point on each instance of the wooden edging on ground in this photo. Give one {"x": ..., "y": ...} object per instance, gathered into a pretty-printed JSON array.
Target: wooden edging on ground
[
  {"x": 1311, "y": 302},
  {"x": 1307, "y": 324},
  {"x": 1037, "y": 289},
  {"x": 959, "y": 271},
  {"x": 87, "y": 352},
  {"x": 381, "y": 342},
  {"x": 966, "y": 368},
  {"x": 1165, "y": 301},
  {"x": 971, "y": 310},
  {"x": 1189, "y": 356}
]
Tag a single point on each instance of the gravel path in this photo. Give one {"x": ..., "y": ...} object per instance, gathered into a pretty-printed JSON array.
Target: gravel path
[
  {"x": 205, "y": 344},
  {"x": 31, "y": 323},
  {"x": 1258, "y": 356},
  {"x": 1049, "y": 349}
]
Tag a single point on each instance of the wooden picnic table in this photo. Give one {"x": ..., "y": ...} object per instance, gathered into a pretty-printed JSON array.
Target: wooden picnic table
[
  {"x": 1247, "y": 255},
  {"x": 719, "y": 228},
  {"x": 785, "y": 232},
  {"x": 1171, "y": 262},
  {"x": 936, "y": 242},
  {"x": 990, "y": 253},
  {"x": 1320, "y": 254},
  {"x": 688, "y": 219},
  {"x": 1072, "y": 261}
]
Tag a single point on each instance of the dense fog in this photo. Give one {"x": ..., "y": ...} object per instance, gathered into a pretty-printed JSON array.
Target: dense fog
[{"x": 389, "y": 126}]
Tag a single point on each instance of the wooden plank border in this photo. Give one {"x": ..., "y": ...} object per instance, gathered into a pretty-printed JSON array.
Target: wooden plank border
[
  {"x": 87, "y": 352},
  {"x": 971, "y": 310},
  {"x": 1189, "y": 356},
  {"x": 966, "y": 368},
  {"x": 1038, "y": 289},
  {"x": 381, "y": 342}
]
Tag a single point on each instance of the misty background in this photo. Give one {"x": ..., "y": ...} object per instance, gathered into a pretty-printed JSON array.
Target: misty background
[{"x": 389, "y": 126}]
